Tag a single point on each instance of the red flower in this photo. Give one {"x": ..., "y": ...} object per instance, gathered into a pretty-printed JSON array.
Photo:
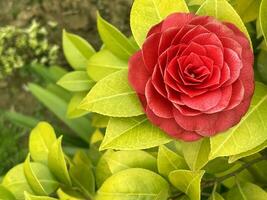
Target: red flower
[{"x": 193, "y": 75}]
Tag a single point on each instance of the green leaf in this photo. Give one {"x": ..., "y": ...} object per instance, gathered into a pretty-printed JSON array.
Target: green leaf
[
  {"x": 58, "y": 106},
  {"x": 5, "y": 194},
  {"x": 215, "y": 196},
  {"x": 262, "y": 65},
  {"x": 234, "y": 141},
  {"x": 133, "y": 184},
  {"x": 56, "y": 72},
  {"x": 104, "y": 63},
  {"x": 114, "y": 40},
  {"x": 169, "y": 161},
  {"x": 20, "y": 119},
  {"x": 145, "y": 14},
  {"x": 246, "y": 191},
  {"x": 73, "y": 106},
  {"x": 77, "y": 50},
  {"x": 133, "y": 133},
  {"x": 113, "y": 96},
  {"x": 57, "y": 163},
  {"x": 59, "y": 91},
  {"x": 42, "y": 137},
  {"x": 263, "y": 18},
  {"x": 99, "y": 121},
  {"x": 77, "y": 81},
  {"x": 188, "y": 182},
  {"x": 102, "y": 171},
  {"x": 96, "y": 137},
  {"x": 196, "y": 153},
  {"x": 33, "y": 197},
  {"x": 16, "y": 182},
  {"x": 248, "y": 153},
  {"x": 82, "y": 176},
  {"x": 69, "y": 195},
  {"x": 122, "y": 160},
  {"x": 223, "y": 11},
  {"x": 248, "y": 10},
  {"x": 39, "y": 178}
]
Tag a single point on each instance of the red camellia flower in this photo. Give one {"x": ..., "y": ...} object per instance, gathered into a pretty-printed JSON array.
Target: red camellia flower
[{"x": 193, "y": 75}]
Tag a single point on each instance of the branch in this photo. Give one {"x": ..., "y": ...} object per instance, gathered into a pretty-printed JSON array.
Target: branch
[{"x": 234, "y": 173}]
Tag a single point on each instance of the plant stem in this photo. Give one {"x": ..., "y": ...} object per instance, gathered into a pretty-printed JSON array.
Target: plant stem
[
  {"x": 218, "y": 180},
  {"x": 246, "y": 165}
]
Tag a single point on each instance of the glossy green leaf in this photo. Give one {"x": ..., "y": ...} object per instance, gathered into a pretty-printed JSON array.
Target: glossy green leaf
[
  {"x": 132, "y": 184},
  {"x": 223, "y": 11},
  {"x": 81, "y": 157},
  {"x": 122, "y": 160},
  {"x": 246, "y": 191},
  {"x": 216, "y": 196},
  {"x": 104, "y": 63},
  {"x": 187, "y": 182},
  {"x": 99, "y": 121},
  {"x": 58, "y": 106},
  {"x": 39, "y": 177},
  {"x": 57, "y": 163},
  {"x": 196, "y": 153},
  {"x": 248, "y": 153},
  {"x": 114, "y": 40},
  {"x": 42, "y": 137},
  {"x": 113, "y": 96},
  {"x": 69, "y": 195},
  {"x": 234, "y": 141},
  {"x": 248, "y": 10},
  {"x": 77, "y": 81},
  {"x": 16, "y": 182},
  {"x": 218, "y": 165},
  {"x": 82, "y": 176},
  {"x": 102, "y": 171},
  {"x": 145, "y": 14},
  {"x": 77, "y": 51},
  {"x": 5, "y": 194},
  {"x": 133, "y": 133},
  {"x": 169, "y": 161},
  {"x": 263, "y": 18},
  {"x": 33, "y": 197},
  {"x": 73, "y": 106}
]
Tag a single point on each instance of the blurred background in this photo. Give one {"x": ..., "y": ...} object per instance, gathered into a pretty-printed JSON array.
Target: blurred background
[{"x": 30, "y": 42}]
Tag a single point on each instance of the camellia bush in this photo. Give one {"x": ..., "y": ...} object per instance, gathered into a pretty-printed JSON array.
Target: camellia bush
[{"x": 177, "y": 111}]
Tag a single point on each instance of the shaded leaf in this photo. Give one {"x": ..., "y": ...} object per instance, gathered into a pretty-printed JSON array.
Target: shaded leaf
[
  {"x": 246, "y": 191},
  {"x": 58, "y": 106},
  {"x": 263, "y": 18},
  {"x": 5, "y": 194},
  {"x": 33, "y": 197}
]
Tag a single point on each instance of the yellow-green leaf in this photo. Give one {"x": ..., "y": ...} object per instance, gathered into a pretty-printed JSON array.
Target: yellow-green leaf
[
  {"x": 145, "y": 14},
  {"x": 73, "y": 107},
  {"x": 42, "y": 137}
]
